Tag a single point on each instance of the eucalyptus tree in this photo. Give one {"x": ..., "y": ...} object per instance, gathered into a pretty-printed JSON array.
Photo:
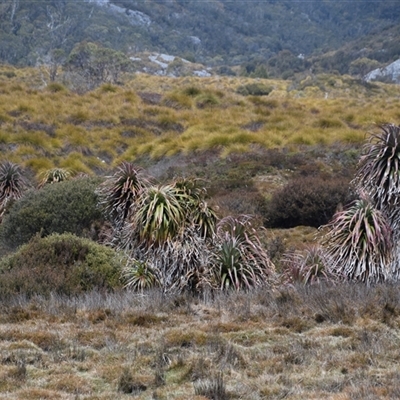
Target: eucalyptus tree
[{"x": 96, "y": 64}]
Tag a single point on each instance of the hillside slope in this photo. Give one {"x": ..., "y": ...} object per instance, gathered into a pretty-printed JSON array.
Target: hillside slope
[{"x": 213, "y": 33}]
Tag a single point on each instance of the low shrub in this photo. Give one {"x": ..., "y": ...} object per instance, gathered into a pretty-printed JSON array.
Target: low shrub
[
  {"x": 254, "y": 89},
  {"x": 192, "y": 91},
  {"x": 55, "y": 87},
  {"x": 177, "y": 100},
  {"x": 68, "y": 206},
  {"x": 65, "y": 264},
  {"x": 206, "y": 100},
  {"x": 309, "y": 201}
]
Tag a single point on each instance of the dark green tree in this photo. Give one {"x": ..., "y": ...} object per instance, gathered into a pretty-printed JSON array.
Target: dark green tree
[
  {"x": 68, "y": 206},
  {"x": 96, "y": 64}
]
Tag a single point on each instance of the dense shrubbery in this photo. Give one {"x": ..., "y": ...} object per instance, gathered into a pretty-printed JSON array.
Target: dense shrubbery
[
  {"x": 254, "y": 89},
  {"x": 64, "y": 264},
  {"x": 310, "y": 200},
  {"x": 69, "y": 206}
]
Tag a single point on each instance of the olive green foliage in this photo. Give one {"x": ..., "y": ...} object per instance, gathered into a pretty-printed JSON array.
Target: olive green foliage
[
  {"x": 12, "y": 184},
  {"x": 361, "y": 66},
  {"x": 206, "y": 100},
  {"x": 63, "y": 264},
  {"x": 160, "y": 213},
  {"x": 96, "y": 64},
  {"x": 198, "y": 211},
  {"x": 240, "y": 261},
  {"x": 254, "y": 89},
  {"x": 192, "y": 91},
  {"x": 69, "y": 206},
  {"x": 163, "y": 212}
]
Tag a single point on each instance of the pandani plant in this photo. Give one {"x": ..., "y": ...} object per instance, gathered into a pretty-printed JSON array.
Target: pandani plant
[
  {"x": 12, "y": 184},
  {"x": 171, "y": 230},
  {"x": 120, "y": 191},
  {"x": 54, "y": 175},
  {"x": 139, "y": 276},
  {"x": 160, "y": 213},
  {"x": 359, "y": 243},
  {"x": 199, "y": 212},
  {"x": 240, "y": 261},
  {"x": 307, "y": 266},
  {"x": 363, "y": 240},
  {"x": 379, "y": 172}
]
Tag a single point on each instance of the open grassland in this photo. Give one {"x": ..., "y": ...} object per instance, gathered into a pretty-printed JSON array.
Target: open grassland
[
  {"x": 43, "y": 125},
  {"x": 338, "y": 342}
]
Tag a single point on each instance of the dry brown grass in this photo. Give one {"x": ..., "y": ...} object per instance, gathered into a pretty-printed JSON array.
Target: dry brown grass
[{"x": 337, "y": 342}]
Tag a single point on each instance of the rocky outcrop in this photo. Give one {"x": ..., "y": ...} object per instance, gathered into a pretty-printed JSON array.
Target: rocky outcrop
[
  {"x": 135, "y": 17},
  {"x": 390, "y": 73},
  {"x": 168, "y": 65}
]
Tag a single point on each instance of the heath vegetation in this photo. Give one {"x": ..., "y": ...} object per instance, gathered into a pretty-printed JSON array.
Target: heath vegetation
[{"x": 213, "y": 238}]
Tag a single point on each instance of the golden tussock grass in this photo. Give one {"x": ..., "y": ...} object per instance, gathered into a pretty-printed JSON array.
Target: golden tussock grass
[
  {"x": 163, "y": 116},
  {"x": 76, "y": 162}
]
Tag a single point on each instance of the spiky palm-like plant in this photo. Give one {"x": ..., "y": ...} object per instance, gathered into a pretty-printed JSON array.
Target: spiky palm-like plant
[
  {"x": 379, "y": 172},
  {"x": 12, "y": 184},
  {"x": 160, "y": 214},
  {"x": 204, "y": 218},
  {"x": 198, "y": 211},
  {"x": 181, "y": 261},
  {"x": 170, "y": 229},
  {"x": 379, "y": 176},
  {"x": 138, "y": 276},
  {"x": 359, "y": 243},
  {"x": 54, "y": 175},
  {"x": 307, "y": 266},
  {"x": 190, "y": 186},
  {"x": 240, "y": 261},
  {"x": 120, "y": 191}
]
